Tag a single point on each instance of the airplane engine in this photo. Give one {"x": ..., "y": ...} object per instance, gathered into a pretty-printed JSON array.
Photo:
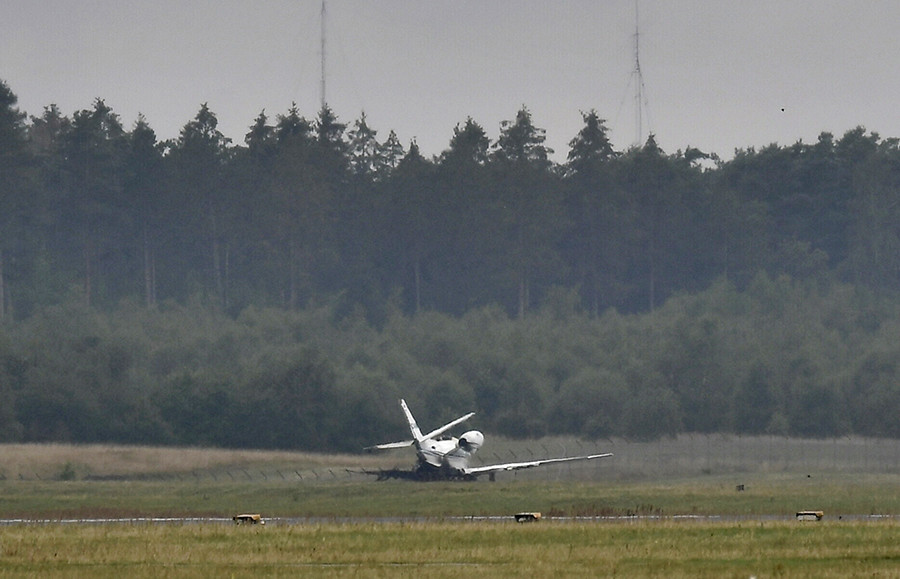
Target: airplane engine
[{"x": 471, "y": 441}]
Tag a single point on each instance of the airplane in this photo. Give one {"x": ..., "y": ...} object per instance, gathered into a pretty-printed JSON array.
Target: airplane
[{"x": 447, "y": 457}]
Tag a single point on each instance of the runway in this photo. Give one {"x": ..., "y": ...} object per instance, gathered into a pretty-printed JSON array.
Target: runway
[{"x": 288, "y": 521}]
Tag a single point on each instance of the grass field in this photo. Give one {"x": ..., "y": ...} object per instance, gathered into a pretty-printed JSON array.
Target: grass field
[
  {"x": 441, "y": 549},
  {"x": 66, "y": 481},
  {"x": 335, "y": 526},
  {"x": 685, "y": 456},
  {"x": 766, "y": 495}
]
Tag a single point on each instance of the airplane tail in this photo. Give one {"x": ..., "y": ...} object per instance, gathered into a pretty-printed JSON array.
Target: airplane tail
[
  {"x": 418, "y": 437},
  {"x": 413, "y": 427}
]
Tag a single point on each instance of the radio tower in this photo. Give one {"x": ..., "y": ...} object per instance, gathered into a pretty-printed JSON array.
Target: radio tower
[
  {"x": 640, "y": 99},
  {"x": 322, "y": 78}
]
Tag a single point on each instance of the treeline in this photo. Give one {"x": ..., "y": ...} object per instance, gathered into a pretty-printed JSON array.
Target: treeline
[
  {"x": 780, "y": 357},
  {"x": 284, "y": 292},
  {"x": 309, "y": 210}
]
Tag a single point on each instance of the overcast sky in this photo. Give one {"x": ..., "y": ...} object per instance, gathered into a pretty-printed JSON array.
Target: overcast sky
[{"x": 717, "y": 74}]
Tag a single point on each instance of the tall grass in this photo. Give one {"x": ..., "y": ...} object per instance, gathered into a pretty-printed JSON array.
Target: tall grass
[
  {"x": 452, "y": 550},
  {"x": 48, "y": 461}
]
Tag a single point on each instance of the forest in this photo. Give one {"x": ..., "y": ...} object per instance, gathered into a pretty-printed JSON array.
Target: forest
[{"x": 284, "y": 292}]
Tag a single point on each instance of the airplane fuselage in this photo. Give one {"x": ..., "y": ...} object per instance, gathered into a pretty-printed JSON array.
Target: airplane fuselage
[{"x": 449, "y": 453}]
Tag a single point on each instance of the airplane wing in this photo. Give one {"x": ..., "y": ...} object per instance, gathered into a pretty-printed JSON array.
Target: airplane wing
[{"x": 477, "y": 470}]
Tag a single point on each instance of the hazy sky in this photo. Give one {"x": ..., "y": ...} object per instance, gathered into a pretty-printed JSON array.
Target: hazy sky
[{"x": 718, "y": 74}]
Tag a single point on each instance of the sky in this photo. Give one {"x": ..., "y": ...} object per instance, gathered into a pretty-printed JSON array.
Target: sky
[{"x": 717, "y": 74}]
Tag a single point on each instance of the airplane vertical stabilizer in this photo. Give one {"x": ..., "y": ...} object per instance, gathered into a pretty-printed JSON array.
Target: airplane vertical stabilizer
[{"x": 413, "y": 427}]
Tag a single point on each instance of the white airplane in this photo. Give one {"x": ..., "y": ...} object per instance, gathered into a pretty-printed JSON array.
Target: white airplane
[{"x": 447, "y": 457}]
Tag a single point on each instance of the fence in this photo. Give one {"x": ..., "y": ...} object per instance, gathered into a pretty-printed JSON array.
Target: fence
[
  {"x": 714, "y": 454},
  {"x": 683, "y": 456}
]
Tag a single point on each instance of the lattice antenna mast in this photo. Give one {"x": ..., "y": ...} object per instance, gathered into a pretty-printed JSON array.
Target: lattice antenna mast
[
  {"x": 640, "y": 99},
  {"x": 322, "y": 78}
]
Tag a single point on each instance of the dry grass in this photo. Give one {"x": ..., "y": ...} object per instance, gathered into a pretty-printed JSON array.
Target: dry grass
[
  {"x": 684, "y": 456},
  {"x": 101, "y": 460}
]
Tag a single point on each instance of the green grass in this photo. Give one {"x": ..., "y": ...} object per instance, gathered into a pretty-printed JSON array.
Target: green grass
[
  {"x": 347, "y": 538},
  {"x": 776, "y": 495},
  {"x": 174, "y": 482},
  {"x": 442, "y": 549},
  {"x": 686, "y": 456}
]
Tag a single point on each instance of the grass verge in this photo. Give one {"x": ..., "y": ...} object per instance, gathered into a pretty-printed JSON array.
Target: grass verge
[
  {"x": 776, "y": 495},
  {"x": 441, "y": 549}
]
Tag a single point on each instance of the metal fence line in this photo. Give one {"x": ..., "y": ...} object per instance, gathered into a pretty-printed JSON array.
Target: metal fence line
[{"x": 682, "y": 456}]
